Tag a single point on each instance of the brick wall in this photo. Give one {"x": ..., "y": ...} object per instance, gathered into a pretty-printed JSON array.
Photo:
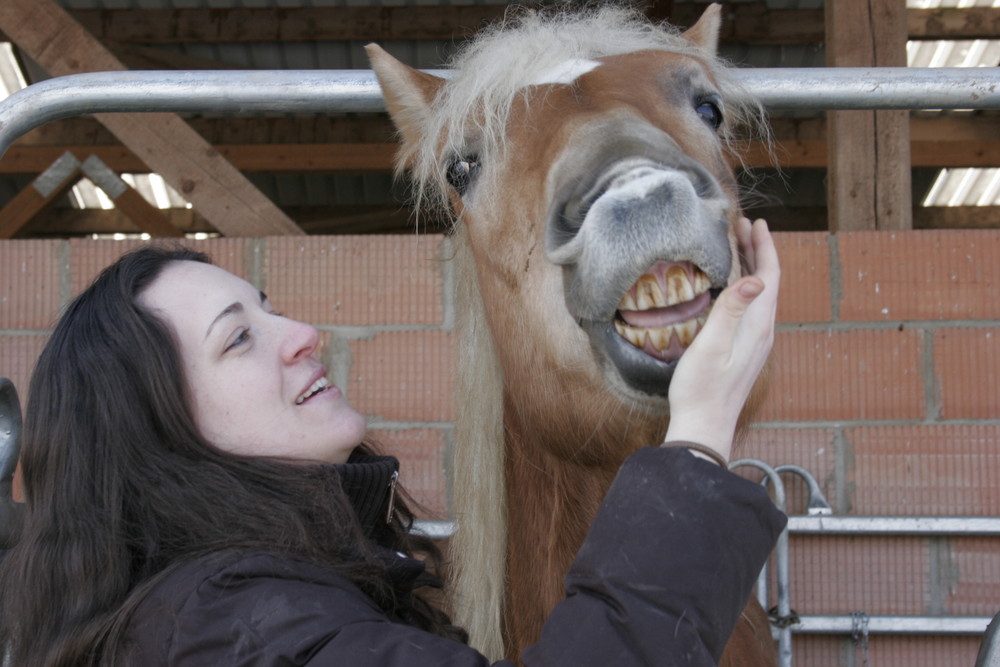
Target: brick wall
[{"x": 883, "y": 384}]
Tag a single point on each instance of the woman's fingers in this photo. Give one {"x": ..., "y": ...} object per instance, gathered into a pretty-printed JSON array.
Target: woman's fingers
[
  {"x": 744, "y": 245},
  {"x": 717, "y": 372}
]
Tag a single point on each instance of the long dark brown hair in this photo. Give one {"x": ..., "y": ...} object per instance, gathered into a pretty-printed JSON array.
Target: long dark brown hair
[{"x": 120, "y": 486}]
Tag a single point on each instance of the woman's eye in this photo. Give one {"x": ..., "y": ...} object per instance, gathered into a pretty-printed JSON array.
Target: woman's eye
[
  {"x": 242, "y": 337},
  {"x": 710, "y": 113},
  {"x": 461, "y": 172}
]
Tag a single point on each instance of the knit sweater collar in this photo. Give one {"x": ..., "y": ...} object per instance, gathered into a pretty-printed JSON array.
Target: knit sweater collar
[{"x": 369, "y": 483}]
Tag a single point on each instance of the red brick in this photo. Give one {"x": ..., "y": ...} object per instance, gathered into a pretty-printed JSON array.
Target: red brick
[
  {"x": 812, "y": 449},
  {"x": 421, "y": 454},
  {"x": 18, "y": 355},
  {"x": 936, "y": 470},
  {"x": 805, "y": 277},
  {"x": 967, "y": 368},
  {"x": 89, "y": 257},
  {"x": 920, "y": 275},
  {"x": 357, "y": 280},
  {"x": 845, "y": 375},
  {"x": 975, "y": 590},
  {"x": 839, "y": 575},
  {"x": 912, "y": 651},
  {"x": 404, "y": 376},
  {"x": 29, "y": 284},
  {"x": 818, "y": 650}
]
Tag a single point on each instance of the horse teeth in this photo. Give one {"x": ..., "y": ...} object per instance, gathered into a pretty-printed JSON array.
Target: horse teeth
[
  {"x": 686, "y": 331},
  {"x": 627, "y": 302},
  {"x": 631, "y": 334},
  {"x": 660, "y": 337},
  {"x": 701, "y": 282},
  {"x": 679, "y": 287},
  {"x": 648, "y": 293}
]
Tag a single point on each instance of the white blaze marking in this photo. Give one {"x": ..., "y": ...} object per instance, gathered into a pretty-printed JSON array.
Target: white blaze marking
[{"x": 566, "y": 72}]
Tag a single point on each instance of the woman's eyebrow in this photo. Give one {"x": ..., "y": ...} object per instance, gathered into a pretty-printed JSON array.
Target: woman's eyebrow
[{"x": 231, "y": 309}]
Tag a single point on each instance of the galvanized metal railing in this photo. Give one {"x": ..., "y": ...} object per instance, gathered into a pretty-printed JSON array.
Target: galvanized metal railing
[{"x": 330, "y": 91}]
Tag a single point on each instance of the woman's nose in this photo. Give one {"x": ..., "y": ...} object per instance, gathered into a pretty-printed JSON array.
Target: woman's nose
[{"x": 299, "y": 341}]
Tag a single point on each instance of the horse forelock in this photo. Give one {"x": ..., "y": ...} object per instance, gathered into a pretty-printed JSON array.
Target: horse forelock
[{"x": 471, "y": 111}]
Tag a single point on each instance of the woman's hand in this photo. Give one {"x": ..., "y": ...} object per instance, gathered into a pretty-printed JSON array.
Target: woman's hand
[{"x": 716, "y": 374}]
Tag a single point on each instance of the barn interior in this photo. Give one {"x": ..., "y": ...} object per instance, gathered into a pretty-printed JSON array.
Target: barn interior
[{"x": 331, "y": 174}]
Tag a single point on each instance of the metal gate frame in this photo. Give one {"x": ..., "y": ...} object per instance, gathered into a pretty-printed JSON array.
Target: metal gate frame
[
  {"x": 340, "y": 91},
  {"x": 329, "y": 91}
]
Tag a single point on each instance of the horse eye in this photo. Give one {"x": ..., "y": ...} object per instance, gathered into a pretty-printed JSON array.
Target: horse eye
[
  {"x": 461, "y": 172},
  {"x": 710, "y": 113}
]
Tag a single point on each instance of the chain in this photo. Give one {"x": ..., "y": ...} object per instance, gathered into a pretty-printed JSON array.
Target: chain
[{"x": 859, "y": 634}]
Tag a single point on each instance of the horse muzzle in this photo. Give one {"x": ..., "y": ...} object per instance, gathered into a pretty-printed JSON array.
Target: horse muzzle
[{"x": 642, "y": 267}]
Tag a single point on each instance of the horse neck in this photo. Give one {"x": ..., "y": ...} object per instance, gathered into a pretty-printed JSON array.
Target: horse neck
[{"x": 550, "y": 504}]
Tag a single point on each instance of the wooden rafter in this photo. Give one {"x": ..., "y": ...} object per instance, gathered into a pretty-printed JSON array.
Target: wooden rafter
[
  {"x": 163, "y": 141},
  {"x": 363, "y": 144},
  {"x": 743, "y": 22},
  {"x": 61, "y": 175}
]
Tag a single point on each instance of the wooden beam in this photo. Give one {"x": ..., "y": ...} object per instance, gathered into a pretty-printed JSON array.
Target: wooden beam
[
  {"x": 952, "y": 23},
  {"x": 147, "y": 217},
  {"x": 378, "y": 158},
  {"x": 279, "y": 158},
  {"x": 866, "y": 188},
  {"x": 60, "y": 222},
  {"x": 814, "y": 218},
  {"x": 163, "y": 141},
  {"x": 32, "y": 200},
  {"x": 375, "y": 128},
  {"x": 743, "y": 23},
  {"x": 63, "y": 222}
]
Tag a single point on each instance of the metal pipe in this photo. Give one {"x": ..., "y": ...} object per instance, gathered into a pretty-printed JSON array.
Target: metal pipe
[
  {"x": 897, "y": 625},
  {"x": 894, "y": 525},
  {"x": 834, "y": 525},
  {"x": 329, "y": 91},
  {"x": 817, "y": 503},
  {"x": 781, "y": 562}
]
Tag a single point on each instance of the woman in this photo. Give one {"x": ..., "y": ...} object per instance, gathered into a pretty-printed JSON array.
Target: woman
[{"x": 198, "y": 493}]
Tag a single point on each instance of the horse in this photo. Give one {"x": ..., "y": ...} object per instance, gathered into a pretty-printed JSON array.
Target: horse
[{"x": 583, "y": 159}]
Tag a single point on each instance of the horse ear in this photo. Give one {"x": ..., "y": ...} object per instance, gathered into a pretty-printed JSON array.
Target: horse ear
[
  {"x": 705, "y": 32},
  {"x": 408, "y": 92}
]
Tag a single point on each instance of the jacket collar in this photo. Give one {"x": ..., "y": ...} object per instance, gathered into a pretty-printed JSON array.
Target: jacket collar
[{"x": 369, "y": 483}]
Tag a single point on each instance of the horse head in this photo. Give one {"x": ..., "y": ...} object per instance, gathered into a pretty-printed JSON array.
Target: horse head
[{"x": 586, "y": 160}]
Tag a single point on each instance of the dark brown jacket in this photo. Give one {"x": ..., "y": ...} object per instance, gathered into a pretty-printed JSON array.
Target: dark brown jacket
[{"x": 660, "y": 580}]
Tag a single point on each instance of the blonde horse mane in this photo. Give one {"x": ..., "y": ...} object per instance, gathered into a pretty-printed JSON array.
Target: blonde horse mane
[{"x": 478, "y": 547}]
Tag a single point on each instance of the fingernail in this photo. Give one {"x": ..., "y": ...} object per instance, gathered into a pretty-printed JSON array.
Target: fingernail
[{"x": 751, "y": 288}]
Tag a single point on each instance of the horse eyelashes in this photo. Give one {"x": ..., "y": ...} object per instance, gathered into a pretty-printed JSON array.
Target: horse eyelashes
[{"x": 461, "y": 172}]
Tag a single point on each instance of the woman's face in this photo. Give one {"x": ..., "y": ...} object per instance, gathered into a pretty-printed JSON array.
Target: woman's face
[{"x": 257, "y": 387}]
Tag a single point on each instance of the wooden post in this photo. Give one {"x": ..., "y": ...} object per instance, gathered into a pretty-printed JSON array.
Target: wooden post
[{"x": 868, "y": 184}]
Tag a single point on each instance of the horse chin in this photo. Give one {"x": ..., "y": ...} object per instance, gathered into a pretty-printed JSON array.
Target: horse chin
[{"x": 637, "y": 377}]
